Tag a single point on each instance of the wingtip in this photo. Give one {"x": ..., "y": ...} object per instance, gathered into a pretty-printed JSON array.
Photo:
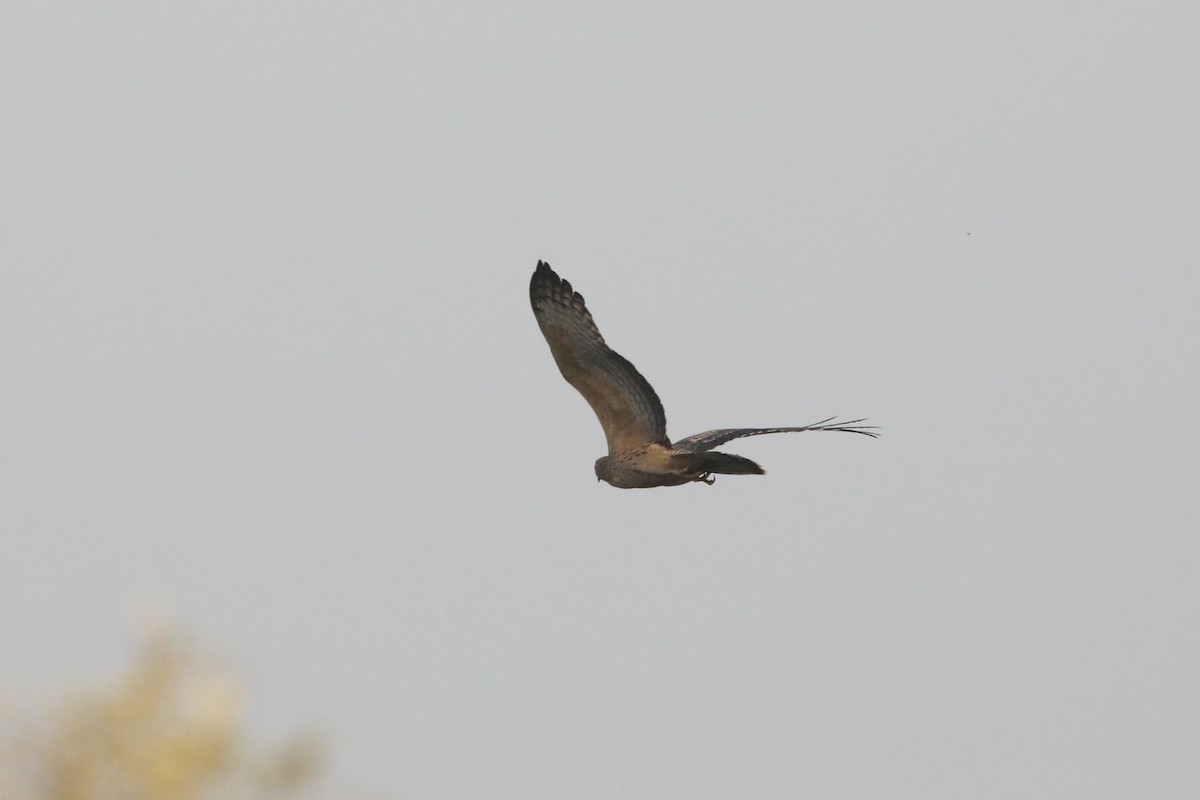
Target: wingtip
[
  {"x": 551, "y": 281},
  {"x": 542, "y": 275}
]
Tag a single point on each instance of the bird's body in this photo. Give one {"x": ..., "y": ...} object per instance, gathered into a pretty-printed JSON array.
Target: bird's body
[
  {"x": 639, "y": 453},
  {"x": 664, "y": 465}
]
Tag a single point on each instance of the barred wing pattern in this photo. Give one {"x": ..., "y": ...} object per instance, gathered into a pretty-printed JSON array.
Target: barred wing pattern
[{"x": 627, "y": 406}]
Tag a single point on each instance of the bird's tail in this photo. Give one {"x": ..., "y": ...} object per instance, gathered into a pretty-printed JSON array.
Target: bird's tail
[{"x": 717, "y": 463}]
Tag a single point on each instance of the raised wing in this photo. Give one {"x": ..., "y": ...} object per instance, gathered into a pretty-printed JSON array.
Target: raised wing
[
  {"x": 710, "y": 439},
  {"x": 629, "y": 410}
]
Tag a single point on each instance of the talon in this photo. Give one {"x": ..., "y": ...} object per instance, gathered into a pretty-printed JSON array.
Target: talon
[{"x": 704, "y": 477}]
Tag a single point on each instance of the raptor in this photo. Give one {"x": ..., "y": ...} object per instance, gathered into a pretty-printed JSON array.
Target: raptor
[{"x": 639, "y": 453}]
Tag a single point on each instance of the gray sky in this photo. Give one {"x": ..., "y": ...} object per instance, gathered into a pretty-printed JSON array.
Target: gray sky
[{"x": 270, "y": 361}]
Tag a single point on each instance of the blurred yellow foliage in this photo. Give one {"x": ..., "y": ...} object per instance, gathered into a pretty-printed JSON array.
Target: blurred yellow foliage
[{"x": 171, "y": 729}]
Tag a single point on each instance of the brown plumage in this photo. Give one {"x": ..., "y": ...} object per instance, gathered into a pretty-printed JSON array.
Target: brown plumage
[{"x": 639, "y": 453}]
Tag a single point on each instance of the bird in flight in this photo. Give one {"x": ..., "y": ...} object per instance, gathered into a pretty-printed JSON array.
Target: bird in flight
[{"x": 639, "y": 453}]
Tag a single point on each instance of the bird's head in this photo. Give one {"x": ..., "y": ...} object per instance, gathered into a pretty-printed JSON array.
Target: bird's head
[{"x": 603, "y": 469}]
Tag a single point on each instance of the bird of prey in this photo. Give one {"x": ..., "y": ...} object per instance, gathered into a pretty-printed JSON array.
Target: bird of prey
[{"x": 639, "y": 453}]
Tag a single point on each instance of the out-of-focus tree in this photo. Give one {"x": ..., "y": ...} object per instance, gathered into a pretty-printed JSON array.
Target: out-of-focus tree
[{"x": 170, "y": 729}]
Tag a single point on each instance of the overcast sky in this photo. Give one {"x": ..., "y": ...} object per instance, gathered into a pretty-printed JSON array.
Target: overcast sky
[{"x": 269, "y": 360}]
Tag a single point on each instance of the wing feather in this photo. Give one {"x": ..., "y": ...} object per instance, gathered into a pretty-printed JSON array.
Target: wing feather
[
  {"x": 709, "y": 439},
  {"x": 625, "y": 403}
]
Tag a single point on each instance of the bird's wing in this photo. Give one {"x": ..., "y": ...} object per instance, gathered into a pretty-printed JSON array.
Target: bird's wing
[
  {"x": 710, "y": 439},
  {"x": 629, "y": 410}
]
